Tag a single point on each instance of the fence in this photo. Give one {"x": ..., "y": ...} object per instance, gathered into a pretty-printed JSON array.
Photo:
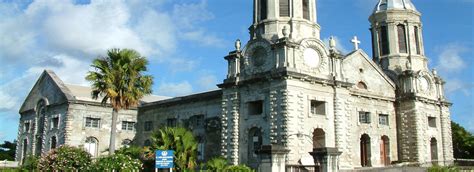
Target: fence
[{"x": 302, "y": 168}]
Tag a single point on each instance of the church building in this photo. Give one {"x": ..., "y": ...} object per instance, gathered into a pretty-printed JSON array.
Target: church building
[{"x": 284, "y": 89}]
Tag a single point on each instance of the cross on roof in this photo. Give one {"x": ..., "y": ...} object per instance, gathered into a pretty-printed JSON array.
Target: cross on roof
[{"x": 356, "y": 43}]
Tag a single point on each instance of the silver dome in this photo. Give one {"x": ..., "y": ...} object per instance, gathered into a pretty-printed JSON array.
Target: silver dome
[{"x": 384, "y": 5}]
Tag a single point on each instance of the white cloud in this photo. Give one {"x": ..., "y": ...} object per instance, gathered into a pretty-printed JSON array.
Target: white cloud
[
  {"x": 65, "y": 37},
  {"x": 181, "y": 64},
  {"x": 450, "y": 60},
  {"x": 174, "y": 89}
]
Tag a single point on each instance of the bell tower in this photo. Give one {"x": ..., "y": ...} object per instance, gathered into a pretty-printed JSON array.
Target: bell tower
[
  {"x": 397, "y": 36},
  {"x": 423, "y": 117},
  {"x": 274, "y": 19}
]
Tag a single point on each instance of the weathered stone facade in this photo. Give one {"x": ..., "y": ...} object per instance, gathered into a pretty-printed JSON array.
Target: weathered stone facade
[
  {"x": 55, "y": 114},
  {"x": 286, "y": 89}
]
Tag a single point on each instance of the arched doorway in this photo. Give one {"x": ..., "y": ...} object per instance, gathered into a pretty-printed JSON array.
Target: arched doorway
[
  {"x": 254, "y": 143},
  {"x": 385, "y": 150},
  {"x": 91, "y": 146},
  {"x": 53, "y": 142},
  {"x": 434, "y": 150},
  {"x": 24, "y": 153},
  {"x": 319, "y": 138},
  {"x": 40, "y": 120},
  {"x": 365, "y": 150}
]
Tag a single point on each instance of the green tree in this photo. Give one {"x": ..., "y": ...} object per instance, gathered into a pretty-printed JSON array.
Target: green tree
[
  {"x": 463, "y": 142},
  {"x": 180, "y": 140},
  {"x": 118, "y": 79},
  {"x": 7, "y": 150}
]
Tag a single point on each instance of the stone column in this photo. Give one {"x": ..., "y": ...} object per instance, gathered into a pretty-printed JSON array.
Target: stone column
[
  {"x": 272, "y": 158},
  {"x": 326, "y": 158}
]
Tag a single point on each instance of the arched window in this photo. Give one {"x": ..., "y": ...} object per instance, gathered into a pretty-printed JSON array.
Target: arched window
[
  {"x": 306, "y": 10},
  {"x": 362, "y": 85},
  {"x": 147, "y": 143},
  {"x": 40, "y": 120},
  {"x": 25, "y": 148},
  {"x": 284, "y": 8},
  {"x": 126, "y": 143},
  {"x": 263, "y": 9},
  {"x": 91, "y": 146},
  {"x": 385, "y": 150},
  {"x": 365, "y": 150},
  {"x": 319, "y": 138},
  {"x": 402, "y": 41},
  {"x": 254, "y": 143},
  {"x": 417, "y": 40},
  {"x": 383, "y": 41},
  {"x": 434, "y": 150},
  {"x": 53, "y": 142}
]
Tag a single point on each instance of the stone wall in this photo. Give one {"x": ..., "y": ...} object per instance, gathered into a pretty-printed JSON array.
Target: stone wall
[
  {"x": 77, "y": 132},
  {"x": 183, "y": 110}
]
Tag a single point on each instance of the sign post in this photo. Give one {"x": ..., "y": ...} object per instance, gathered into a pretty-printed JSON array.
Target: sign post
[{"x": 164, "y": 159}]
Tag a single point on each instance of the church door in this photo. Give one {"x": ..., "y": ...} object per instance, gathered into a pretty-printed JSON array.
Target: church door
[
  {"x": 385, "y": 151},
  {"x": 365, "y": 150},
  {"x": 91, "y": 146},
  {"x": 254, "y": 143},
  {"x": 319, "y": 138},
  {"x": 434, "y": 150}
]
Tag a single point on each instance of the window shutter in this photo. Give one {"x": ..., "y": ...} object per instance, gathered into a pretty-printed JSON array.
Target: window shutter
[{"x": 284, "y": 8}]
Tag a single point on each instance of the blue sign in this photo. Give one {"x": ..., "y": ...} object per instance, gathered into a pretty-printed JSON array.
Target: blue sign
[{"x": 164, "y": 159}]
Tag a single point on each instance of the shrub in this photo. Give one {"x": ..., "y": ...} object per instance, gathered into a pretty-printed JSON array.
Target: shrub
[
  {"x": 238, "y": 168},
  {"x": 443, "y": 169},
  {"x": 65, "y": 158},
  {"x": 216, "y": 164},
  {"x": 31, "y": 163},
  {"x": 117, "y": 162}
]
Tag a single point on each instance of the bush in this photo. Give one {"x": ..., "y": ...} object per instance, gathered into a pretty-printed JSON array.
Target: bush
[
  {"x": 216, "y": 164},
  {"x": 118, "y": 162},
  {"x": 238, "y": 168},
  {"x": 65, "y": 158},
  {"x": 31, "y": 163}
]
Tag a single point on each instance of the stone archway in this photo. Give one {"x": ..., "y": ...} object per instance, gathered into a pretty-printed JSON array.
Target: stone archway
[
  {"x": 319, "y": 138},
  {"x": 385, "y": 150},
  {"x": 254, "y": 143},
  {"x": 91, "y": 146},
  {"x": 365, "y": 151},
  {"x": 40, "y": 122},
  {"x": 434, "y": 150}
]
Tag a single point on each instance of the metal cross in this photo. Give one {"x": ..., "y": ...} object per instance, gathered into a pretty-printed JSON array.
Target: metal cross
[{"x": 356, "y": 43}]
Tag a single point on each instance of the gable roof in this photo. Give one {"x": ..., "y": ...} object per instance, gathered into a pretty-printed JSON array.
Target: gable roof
[
  {"x": 51, "y": 88},
  {"x": 377, "y": 68}
]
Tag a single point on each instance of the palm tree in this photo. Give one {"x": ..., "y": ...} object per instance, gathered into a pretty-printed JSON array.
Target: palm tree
[
  {"x": 180, "y": 140},
  {"x": 118, "y": 79}
]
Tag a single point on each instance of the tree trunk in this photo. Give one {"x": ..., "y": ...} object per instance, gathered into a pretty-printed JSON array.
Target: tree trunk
[{"x": 113, "y": 132}]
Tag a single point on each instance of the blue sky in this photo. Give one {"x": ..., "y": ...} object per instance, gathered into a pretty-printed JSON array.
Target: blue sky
[{"x": 186, "y": 40}]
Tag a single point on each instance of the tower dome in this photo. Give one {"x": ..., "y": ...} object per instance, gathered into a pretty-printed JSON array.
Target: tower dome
[{"x": 384, "y": 5}]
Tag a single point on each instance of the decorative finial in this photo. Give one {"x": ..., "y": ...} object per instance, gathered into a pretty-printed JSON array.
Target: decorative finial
[
  {"x": 435, "y": 73},
  {"x": 285, "y": 31},
  {"x": 356, "y": 43},
  {"x": 237, "y": 45},
  {"x": 332, "y": 43}
]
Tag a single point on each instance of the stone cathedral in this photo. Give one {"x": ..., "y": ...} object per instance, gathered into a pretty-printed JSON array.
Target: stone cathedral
[{"x": 288, "y": 93}]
